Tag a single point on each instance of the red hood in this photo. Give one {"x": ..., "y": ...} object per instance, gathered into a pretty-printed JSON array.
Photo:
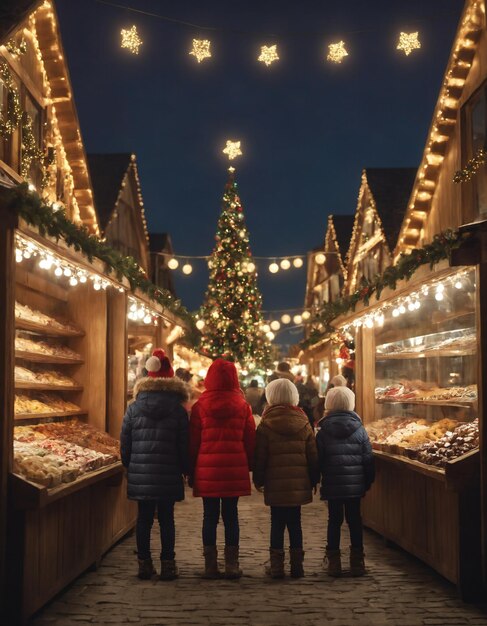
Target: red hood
[{"x": 222, "y": 376}]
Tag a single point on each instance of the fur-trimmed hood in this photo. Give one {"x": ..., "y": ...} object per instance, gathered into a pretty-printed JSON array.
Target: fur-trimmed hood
[{"x": 169, "y": 385}]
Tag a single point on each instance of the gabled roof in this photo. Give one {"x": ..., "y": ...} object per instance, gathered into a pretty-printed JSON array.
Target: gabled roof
[
  {"x": 343, "y": 225},
  {"x": 107, "y": 173},
  {"x": 391, "y": 188}
]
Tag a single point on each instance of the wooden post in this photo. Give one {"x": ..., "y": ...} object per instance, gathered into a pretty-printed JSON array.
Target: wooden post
[
  {"x": 8, "y": 222},
  {"x": 365, "y": 374},
  {"x": 117, "y": 351}
]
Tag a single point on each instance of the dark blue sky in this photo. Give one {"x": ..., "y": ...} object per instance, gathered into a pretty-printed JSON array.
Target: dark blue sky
[{"x": 307, "y": 127}]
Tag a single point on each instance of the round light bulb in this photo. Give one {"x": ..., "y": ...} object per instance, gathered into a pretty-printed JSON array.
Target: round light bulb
[
  {"x": 402, "y": 309},
  {"x": 411, "y": 306},
  {"x": 172, "y": 264},
  {"x": 67, "y": 272},
  {"x": 285, "y": 264},
  {"x": 320, "y": 258},
  {"x": 250, "y": 267},
  {"x": 417, "y": 304},
  {"x": 96, "y": 286},
  {"x": 298, "y": 262},
  {"x": 297, "y": 319},
  {"x": 306, "y": 315},
  {"x": 58, "y": 271},
  {"x": 187, "y": 269},
  {"x": 82, "y": 278},
  {"x": 266, "y": 328},
  {"x": 18, "y": 256},
  {"x": 147, "y": 319},
  {"x": 369, "y": 322},
  {"x": 379, "y": 320},
  {"x": 275, "y": 325},
  {"x": 286, "y": 319},
  {"x": 440, "y": 287},
  {"x": 395, "y": 312},
  {"x": 439, "y": 296},
  {"x": 270, "y": 335},
  {"x": 43, "y": 264},
  {"x": 27, "y": 254},
  {"x": 273, "y": 268},
  {"x": 200, "y": 324},
  {"x": 458, "y": 284},
  {"x": 73, "y": 281}
]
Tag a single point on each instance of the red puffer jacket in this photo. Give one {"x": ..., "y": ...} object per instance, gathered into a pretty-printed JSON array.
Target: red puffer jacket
[{"x": 222, "y": 436}]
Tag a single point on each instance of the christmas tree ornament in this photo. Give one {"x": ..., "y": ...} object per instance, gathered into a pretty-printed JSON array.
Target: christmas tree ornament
[
  {"x": 201, "y": 49},
  {"x": 408, "y": 42},
  {"x": 131, "y": 40},
  {"x": 336, "y": 52},
  {"x": 268, "y": 54},
  {"x": 232, "y": 150}
]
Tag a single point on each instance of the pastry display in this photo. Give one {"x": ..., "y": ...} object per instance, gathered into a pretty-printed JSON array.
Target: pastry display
[
  {"x": 420, "y": 391},
  {"x": 451, "y": 445},
  {"x": 23, "y": 344},
  {"x": 23, "y": 312},
  {"x": 418, "y": 345},
  {"x": 43, "y": 377},
  {"x": 43, "y": 403},
  {"x": 51, "y": 454},
  {"x": 23, "y": 375}
]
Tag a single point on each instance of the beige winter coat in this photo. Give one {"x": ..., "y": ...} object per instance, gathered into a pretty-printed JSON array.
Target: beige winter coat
[{"x": 286, "y": 458}]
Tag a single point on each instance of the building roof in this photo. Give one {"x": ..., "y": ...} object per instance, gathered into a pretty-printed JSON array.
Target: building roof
[
  {"x": 12, "y": 14},
  {"x": 107, "y": 173},
  {"x": 343, "y": 225},
  {"x": 391, "y": 188}
]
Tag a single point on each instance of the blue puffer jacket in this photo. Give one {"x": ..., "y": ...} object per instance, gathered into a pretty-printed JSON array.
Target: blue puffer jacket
[
  {"x": 345, "y": 453},
  {"x": 155, "y": 440}
]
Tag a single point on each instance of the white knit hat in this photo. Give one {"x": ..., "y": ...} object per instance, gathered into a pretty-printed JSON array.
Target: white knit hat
[
  {"x": 282, "y": 391},
  {"x": 340, "y": 399},
  {"x": 338, "y": 381}
]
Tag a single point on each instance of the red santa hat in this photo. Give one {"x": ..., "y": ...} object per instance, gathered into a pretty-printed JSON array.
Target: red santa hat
[{"x": 158, "y": 365}]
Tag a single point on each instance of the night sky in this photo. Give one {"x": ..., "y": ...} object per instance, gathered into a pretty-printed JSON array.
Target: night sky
[{"x": 307, "y": 127}]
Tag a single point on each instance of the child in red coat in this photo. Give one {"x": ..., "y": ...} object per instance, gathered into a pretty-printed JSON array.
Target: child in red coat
[{"x": 222, "y": 439}]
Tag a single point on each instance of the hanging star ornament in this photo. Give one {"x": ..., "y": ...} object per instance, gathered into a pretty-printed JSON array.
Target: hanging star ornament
[
  {"x": 336, "y": 52},
  {"x": 201, "y": 49},
  {"x": 408, "y": 42},
  {"x": 268, "y": 54},
  {"x": 232, "y": 149},
  {"x": 131, "y": 40}
]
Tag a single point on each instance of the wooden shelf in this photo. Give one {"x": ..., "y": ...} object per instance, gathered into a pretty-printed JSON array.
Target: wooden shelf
[
  {"x": 50, "y": 331},
  {"x": 35, "y": 357},
  {"x": 29, "y": 495},
  {"x": 44, "y": 387},
  {"x": 33, "y": 416},
  {"x": 429, "y": 354},
  {"x": 454, "y": 403}
]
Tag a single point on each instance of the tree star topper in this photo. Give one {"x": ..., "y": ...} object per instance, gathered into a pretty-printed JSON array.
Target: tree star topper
[
  {"x": 232, "y": 149},
  {"x": 408, "y": 42},
  {"x": 131, "y": 40},
  {"x": 268, "y": 54},
  {"x": 336, "y": 52},
  {"x": 201, "y": 49}
]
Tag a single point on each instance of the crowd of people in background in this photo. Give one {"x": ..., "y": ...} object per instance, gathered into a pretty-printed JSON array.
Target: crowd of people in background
[{"x": 290, "y": 438}]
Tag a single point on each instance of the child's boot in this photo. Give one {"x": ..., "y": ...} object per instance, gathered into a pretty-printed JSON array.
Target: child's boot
[
  {"x": 169, "y": 570},
  {"x": 211, "y": 562},
  {"x": 232, "y": 569},
  {"x": 275, "y": 569},
  {"x": 357, "y": 562},
  {"x": 146, "y": 569},
  {"x": 297, "y": 557},
  {"x": 333, "y": 562}
]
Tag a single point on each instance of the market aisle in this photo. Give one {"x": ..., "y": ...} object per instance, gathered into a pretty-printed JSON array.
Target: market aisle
[{"x": 399, "y": 590}]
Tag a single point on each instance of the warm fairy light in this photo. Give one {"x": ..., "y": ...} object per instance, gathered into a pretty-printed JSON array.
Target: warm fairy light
[
  {"x": 268, "y": 54},
  {"x": 232, "y": 149},
  {"x": 297, "y": 319},
  {"x": 270, "y": 335},
  {"x": 306, "y": 315},
  {"x": 250, "y": 267},
  {"x": 200, "y": 324},
  {"x": 140, "y": 312},
  {"x": 275, "y": 325},
  {"x": 273, "y": 268},
  {"x": 286, "y": 319},
  {"x": 320, "y": 258},
  {"x": 266, "y": 328},
  {"x": 173, "y": 264},
  {"x": 201, "y": 49},
  {"x": 408, "y": 42},
  {"x": 336, "y": 52},
  {"x": 298, "y": 262},
  {"x": 187, "y": 269},
  {"x": 131, "y": 40},
  {"x": 285, "y": 264}
]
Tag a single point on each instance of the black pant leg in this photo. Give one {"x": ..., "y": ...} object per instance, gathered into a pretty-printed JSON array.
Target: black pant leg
[
  {"x": 354, "y": 521},
  {"x": 278, "y": 526},
  {"x": 145, "y": 519},
  {"x": 230, "y": 520},
  {"x": 293, "y": 523},
  {"x": 165, "y": 514},
  {"x": 335, "y": 521},
  {"x": 211, "y": 517}
]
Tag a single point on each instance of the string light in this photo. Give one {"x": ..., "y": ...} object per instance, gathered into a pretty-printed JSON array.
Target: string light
[
  {"x": 173, "y": 264},
  {"x": 268, "y": 54},
  {"x": 232, "y": 149},
  {"x": 131, "y": 40},
  {"x": 320, "y": 258},
  {"x": 273, "y": 268},
  {"x": 201, "y": 49},
  {"x": 275, "y": 325},
  {"x": 408, "y": 42},
  {"x": 286, "y": 319},
  {"x": 250, "y": 267},
  {"x": 270, "y": 335},
  {"x": 298, "y": 262},
  {"x": 187, "y": 269},
  {"x": 138, "y": 311},
  {"x": 336, "y": 52},
  {"x": 306, "y": 315},
  {"x": 285, "y": 264},
  {"x": 297, "y": 319}
]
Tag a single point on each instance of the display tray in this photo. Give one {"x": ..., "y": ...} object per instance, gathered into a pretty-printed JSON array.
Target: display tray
[
  {"x": 33, "y": 416},
  {"x": 35, "y": 357},
  {"x": 44, "y": 387},
  {"x": 454, "y": 403},
  {"x": 429, "y": 354},
  {"x": 21, "y": 324},
  {"x": 29, "y": 495}
]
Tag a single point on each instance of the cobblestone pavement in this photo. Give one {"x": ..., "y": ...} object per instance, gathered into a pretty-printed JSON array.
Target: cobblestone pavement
[{"x": 398, "y": 590}]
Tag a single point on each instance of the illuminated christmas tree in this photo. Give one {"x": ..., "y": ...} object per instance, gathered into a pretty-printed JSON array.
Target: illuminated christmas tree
[{"x": 232, "y": 306}]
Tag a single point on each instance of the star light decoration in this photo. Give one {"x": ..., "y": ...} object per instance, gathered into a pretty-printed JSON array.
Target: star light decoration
[
  {"x": 336, "y": 52},
  {"x": 408, "y": 42},
  {"x": 201, "y": 49},
  {"x": 131, "y": 39},
  {"x": 268, "y": 54},
  {"x": 232, "y": 149}
]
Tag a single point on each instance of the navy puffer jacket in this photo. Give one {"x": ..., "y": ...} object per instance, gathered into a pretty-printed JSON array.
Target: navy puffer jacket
[
  {"x": 345, "y": 453},
  {"x": 155, "y": 440}
]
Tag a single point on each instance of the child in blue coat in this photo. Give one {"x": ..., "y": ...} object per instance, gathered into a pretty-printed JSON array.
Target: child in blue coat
[{"x": 347, "y": 468}]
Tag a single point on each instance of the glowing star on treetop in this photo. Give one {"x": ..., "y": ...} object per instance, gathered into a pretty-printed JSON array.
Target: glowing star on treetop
[
  {"x": 131, "y": 40},
  {"x": 232, "y": 149},
  {"x": 268, "y": 54},
  {"x": 201, "y": 49},
  {"x": 408, "y": 42},
  {"x": 336, "y": 52}
]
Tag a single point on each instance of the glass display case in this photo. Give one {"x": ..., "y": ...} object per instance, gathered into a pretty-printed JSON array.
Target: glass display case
[{"x": 426, "y": 373}]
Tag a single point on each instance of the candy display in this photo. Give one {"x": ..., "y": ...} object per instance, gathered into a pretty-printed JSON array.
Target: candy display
[
  {"x": 51, "y": 454},
  {"x": 23, "y": 344},
  {"x": 451, "y": 445}
]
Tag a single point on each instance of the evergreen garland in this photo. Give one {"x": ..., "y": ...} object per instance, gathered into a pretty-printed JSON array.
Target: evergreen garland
[
  {"x": 438, "y": 250},
  {"x": 36, "y": 212}
]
